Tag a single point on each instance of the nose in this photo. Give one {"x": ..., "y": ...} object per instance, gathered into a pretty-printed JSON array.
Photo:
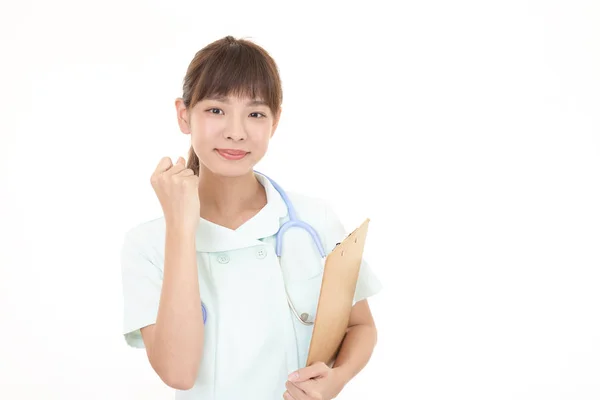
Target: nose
[{"x": 236, "y": 130}]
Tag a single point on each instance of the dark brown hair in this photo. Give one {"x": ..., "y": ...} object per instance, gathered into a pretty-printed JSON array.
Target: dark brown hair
[{"x": 235, "y": 67}]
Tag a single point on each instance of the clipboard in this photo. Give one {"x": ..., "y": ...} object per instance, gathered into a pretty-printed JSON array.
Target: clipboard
[{"x": 340, "y": 277}]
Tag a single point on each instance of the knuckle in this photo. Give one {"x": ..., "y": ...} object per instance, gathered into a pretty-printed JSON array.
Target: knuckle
[{"x": 165, "y": 161}]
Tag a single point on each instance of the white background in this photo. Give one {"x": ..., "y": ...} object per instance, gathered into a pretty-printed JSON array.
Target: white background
[{"x": 468, "y": 131}]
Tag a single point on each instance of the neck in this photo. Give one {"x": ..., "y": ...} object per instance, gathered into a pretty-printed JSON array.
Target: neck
[{"x": 222, "y": 196}]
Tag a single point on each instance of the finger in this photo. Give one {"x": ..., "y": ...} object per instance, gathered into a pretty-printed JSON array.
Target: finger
[
  {"x": 309, "y": 387},
  {"x": 296, "y": 392},
  {"x": 288, "y": 396},
  {"x": 176, "y": 168},
  {"x": 164, "y": 164},
  {"x": 317, "y": 370},
  {"x": 185, "y": 172}
]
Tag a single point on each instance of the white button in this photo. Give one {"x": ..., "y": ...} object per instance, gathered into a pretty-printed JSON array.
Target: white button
[
  {"x": 223, "y": 258},
  {"x": 261, "y": 253}
]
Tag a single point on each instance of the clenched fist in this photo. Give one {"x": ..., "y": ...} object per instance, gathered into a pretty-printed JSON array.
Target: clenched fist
[{"x": 177, "y": 190}]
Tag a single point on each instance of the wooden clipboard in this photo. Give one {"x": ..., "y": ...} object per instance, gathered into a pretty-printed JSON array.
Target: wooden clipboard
[{"x": 340, "y": 277}]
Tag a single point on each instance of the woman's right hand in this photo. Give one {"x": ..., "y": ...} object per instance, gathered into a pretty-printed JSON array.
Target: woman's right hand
[{"x": 177, "y": 190}]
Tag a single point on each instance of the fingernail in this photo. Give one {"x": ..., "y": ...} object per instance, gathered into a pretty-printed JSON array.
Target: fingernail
[{"x": 293, "y": 376}]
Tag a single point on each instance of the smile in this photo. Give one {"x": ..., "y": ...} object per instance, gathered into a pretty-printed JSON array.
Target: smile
[{"x": 230, "y": 154}]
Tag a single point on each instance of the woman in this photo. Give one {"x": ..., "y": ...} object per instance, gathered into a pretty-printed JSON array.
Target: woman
[{"x": 204, "y": 291}]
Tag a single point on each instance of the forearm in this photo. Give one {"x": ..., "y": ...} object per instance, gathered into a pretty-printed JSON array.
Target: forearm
[
  {"x": 355, "y": 351},
  {"x": 179, "y": 331}
]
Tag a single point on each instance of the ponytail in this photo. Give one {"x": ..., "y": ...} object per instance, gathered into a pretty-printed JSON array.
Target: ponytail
[{"x": 193, "y": 162}]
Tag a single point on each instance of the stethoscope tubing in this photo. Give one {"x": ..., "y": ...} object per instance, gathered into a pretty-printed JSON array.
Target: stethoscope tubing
[{"x": 293, "y": 222}]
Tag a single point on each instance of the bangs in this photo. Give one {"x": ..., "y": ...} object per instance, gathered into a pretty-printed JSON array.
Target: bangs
[{"x": 235, "y": 70}]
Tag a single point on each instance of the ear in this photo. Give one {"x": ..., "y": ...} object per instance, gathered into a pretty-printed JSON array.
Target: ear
[
  {"x": 182, "y": 116},
  {"x": 276, "y": 122}
]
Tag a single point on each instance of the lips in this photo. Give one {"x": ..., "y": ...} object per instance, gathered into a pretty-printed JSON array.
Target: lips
[{"x": 232, "y": 154}]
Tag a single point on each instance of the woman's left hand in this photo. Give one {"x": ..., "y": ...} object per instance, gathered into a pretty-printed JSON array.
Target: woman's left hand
[{"x": 317, "y": 382}]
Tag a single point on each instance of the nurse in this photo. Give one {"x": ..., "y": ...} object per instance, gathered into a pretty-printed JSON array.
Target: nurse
[{"x": 204, "y": 291}]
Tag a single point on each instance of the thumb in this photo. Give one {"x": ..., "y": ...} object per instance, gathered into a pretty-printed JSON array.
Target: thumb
[{"x": 307, "y": 373}]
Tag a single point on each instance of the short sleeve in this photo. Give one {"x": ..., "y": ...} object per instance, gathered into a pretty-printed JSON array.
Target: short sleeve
[
  {"x": 368, "y": 284},
  {"x": 142, "y": 283}
]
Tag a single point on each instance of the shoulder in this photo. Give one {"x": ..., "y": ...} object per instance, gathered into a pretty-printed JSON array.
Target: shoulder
[
  {"x": 146, "y": 239},
  {"x": 147, "y": 230},
  {"x": 319, "y": 213},
  {"x": 308, "y": 205}
]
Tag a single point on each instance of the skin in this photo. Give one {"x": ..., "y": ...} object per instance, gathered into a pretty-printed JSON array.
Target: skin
[{"x": 229, "y": 195}]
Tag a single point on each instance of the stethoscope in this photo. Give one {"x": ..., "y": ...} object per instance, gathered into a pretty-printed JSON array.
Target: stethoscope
[{"x": 291, "y": 223}]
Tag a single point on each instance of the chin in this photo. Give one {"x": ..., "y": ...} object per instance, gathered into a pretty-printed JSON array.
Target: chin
[{"x": 231, "y": 169}]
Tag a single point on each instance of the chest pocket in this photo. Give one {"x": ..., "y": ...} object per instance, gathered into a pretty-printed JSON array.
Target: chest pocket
[{"x": 302, "y": 269}]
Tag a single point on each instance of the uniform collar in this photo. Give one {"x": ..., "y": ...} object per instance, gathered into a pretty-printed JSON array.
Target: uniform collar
[{"x": 211, "y": 237}]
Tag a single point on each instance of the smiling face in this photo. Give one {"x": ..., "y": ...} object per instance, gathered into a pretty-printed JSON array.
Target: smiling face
[
  {"x": 229, "y": 134},
  {"x": 222, "y": 106}
]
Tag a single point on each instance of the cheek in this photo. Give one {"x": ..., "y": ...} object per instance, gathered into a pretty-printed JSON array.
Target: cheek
[
  {"x": 202, "y": 144},
  {"x": 204, "y": 132},
  {"x": 261, "y": 141},
  {"x": 262, "y": 133}
]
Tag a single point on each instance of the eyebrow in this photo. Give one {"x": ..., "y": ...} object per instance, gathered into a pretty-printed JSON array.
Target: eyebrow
[{"x": 223, "y": 99}]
